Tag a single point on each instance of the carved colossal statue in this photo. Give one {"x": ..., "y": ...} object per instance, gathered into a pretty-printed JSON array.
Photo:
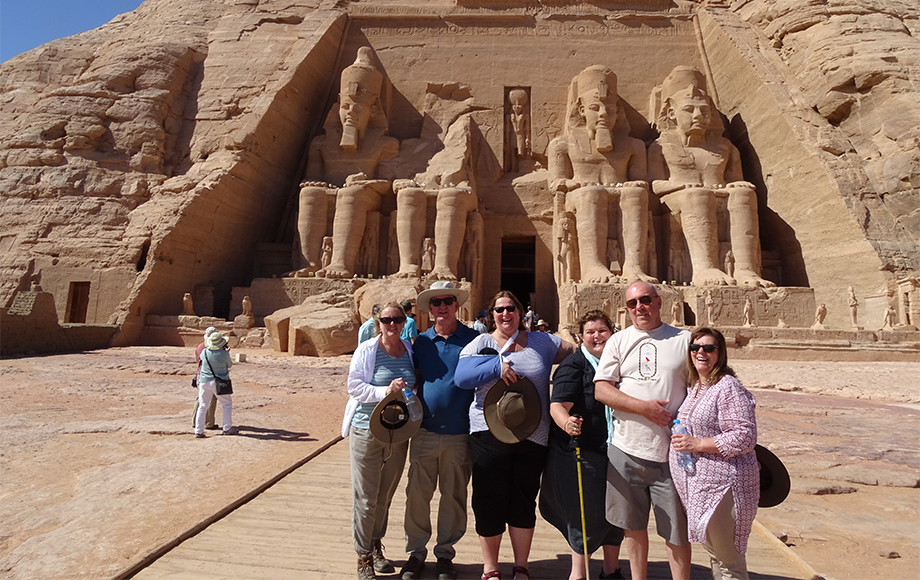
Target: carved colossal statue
[
  {"x": 694, "y": 169},
  {"x": 348, "y": 158},
  {"x": 596, "y": 162},
  {"x": 448, "y": 177}
]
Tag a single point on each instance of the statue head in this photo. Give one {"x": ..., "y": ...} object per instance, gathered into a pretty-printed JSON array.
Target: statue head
[
  {"x": 359, "y": 97},
  {"x": 685, "y": 104},
  {"x": 597, "y": 98},
  {"x": 518, "y": 99}
]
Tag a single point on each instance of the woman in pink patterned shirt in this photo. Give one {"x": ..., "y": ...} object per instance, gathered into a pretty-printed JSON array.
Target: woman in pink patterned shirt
[{"x": 720, "y": 495}]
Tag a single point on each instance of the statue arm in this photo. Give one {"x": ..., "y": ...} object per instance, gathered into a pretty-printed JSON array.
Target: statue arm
[
  {"x": 560, "y": 166},
  {"x": 389, "y": 151},
  {"x": 734, "y": 177},
  {"x": 637, "y": 170},
  {"x": 315, "y": 161},
  {"x": 658, "y": 173}
]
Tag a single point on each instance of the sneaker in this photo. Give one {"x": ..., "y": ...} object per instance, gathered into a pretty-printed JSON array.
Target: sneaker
[
  {"x": 615, "y": 575},
  {"x": 231, "y": 431},
  {"x": 200, "y": 436},
  {"x": 366, "y": 568},
  {"x": 413, "y": 569},
  {"x": 381, "y": 564},
  {"x": 212, "y": 427},
  {"x": 446, "y": 570}
]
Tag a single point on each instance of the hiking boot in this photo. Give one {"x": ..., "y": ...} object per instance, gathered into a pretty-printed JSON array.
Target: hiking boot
[
  {"x": 446, "y": 570},
  {"x": 366, "y": 568},
  {"x": 413, "y": 569},
  {"x": 381, "y": 564}
]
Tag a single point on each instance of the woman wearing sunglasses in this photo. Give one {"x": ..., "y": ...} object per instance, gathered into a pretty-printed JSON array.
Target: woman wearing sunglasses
[
  {"x": 720, "y": 495},
  {"x": 506, "y": 476},
  {"x": 380, "y": 366}
]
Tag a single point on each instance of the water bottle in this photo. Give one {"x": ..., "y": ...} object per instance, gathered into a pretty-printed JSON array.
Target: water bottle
[
  {"x": 412, "y": 404},
  {"x": 684, "y": 458}
]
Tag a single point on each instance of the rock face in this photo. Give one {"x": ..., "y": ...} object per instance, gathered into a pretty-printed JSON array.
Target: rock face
[
  {"x": 162, "y": 153},
  {"x": 324, "y": 325}
]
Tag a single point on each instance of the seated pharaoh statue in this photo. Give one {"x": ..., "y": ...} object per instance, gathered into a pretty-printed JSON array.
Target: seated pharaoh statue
[
  {"x": 595, "y": 162},
  {"x": 446, "y": 175},
  {"x": 349, "y": 163},
  {"x": 697, "y": 172}
]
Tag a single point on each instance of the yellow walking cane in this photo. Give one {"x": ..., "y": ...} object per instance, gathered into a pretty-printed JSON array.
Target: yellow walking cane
[{"x": 581, "y": 501}]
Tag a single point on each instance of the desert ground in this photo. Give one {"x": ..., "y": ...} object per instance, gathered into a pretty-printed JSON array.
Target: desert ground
[{"x": 98, "y": 464}]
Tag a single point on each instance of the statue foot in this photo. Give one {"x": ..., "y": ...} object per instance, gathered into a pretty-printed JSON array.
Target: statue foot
[
  {"x": 334, "y": 272},
  {"x": 407, "y": 272},
  {"x": 749, "y": 278},
  {"x": 441, "y": 273},
  {"x": 636, "y": 274},
  {"x": 712, "y": 277},
  {"x": 302, "y": 273},
  {"x": 598, "y": 275}
]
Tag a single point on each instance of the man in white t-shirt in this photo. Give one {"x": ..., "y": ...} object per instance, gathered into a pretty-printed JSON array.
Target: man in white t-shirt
[{"x": 642, "y": 377}]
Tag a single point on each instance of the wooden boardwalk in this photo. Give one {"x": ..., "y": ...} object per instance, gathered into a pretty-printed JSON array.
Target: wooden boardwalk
[{"x": 300, "y": 528}]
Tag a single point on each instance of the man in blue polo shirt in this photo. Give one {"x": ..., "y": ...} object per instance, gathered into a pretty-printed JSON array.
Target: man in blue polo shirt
[{"x": 439, "y": 454}]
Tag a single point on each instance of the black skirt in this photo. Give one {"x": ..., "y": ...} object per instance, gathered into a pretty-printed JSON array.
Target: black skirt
[{"x": 559, "y": 497}]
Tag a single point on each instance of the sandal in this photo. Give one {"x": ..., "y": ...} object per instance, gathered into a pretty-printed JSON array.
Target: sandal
[
  {"x": 520, "y": 570},
  {"x": 493, "y": 574}
]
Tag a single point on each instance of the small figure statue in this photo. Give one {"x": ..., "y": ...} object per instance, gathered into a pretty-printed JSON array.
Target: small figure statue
[
  {"x": 694, "y": 169},
  {"x": 428, "y": 253},
  {"x": 820, "y": 314},
  {"x": 564, "y": 258},
  {"x": 188, "y": 307},
  {"x": 327, "y": 251},
  {"x": 853, "y": 303},
  {"x": 748, "y": 312},
  {"x": 891, "y": 318},
  {"x": 247, "y": 306},
  {"x": 710, "y": 308},
  {"x": 595, "y": 162},
  {"x": 677, "y": 309},
  {"x": 730, "y": 263},
  {"x": 519, "y": 125}
]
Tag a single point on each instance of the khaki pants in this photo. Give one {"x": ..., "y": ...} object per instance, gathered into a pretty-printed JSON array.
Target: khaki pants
[
  {"x": 727, "y": 563},
  {"x": 375, "y": 471},
  {"x": 443, "y": 462}
]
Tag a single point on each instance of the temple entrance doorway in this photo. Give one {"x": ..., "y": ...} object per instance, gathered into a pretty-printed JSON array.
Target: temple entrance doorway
[
  {"x": 77, "y": 303},
  {"x": 519, "y": 267}
]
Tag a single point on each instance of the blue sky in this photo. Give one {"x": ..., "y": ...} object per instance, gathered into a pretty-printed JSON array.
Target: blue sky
[{"x": 26, "y": 24}]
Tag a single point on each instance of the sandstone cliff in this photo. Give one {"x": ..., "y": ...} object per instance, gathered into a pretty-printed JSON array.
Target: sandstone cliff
[{"x": 160, "y": 153}]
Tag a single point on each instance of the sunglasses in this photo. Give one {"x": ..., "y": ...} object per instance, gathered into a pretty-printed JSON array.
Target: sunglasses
[
  {"x": 500, "y": 309},
  {"x": 437, "y": 301},
  {"x": 707, "y": 348},
  {"x": 392, "y": 319},
  {"x": 645, "y": 299}
]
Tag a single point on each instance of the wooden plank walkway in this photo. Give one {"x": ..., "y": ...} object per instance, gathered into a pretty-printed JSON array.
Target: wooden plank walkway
[{"x": 300, "y": 528}]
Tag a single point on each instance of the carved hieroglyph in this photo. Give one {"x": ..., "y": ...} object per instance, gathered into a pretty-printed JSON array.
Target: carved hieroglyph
[
  {"x": 695, "y": 170},
  {"x": 596, "y": 161},
  {"x": 348, "y": 157}
]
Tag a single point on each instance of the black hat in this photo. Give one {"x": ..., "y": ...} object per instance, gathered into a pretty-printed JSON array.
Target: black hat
[
  {"x": 512, "y": 411},
  {"x": 774, "y": 479}
]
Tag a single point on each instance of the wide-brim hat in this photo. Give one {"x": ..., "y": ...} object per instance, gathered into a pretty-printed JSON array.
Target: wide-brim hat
[
  {"x": 512, "y": 411},
  {"x": 390, "y": 422},
  {"x": 774, "y": 479},
  {"x": 440, "y": 288},
  {"x": 215, "y": 341}
]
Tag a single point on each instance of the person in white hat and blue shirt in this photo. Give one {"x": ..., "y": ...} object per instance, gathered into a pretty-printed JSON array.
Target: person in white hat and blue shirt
[{"x": 439, "y": 453}]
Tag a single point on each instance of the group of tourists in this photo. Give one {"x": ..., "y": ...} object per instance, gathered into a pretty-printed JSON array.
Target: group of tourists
[{"x": 597, "y": 448}]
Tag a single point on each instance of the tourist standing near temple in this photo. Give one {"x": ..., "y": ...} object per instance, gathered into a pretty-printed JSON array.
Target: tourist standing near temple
[
  {"x": 642, "y": 376},
  {"x": 439, "y": 453},
  {"x": 380, "y": 367},
  {"x": 209, "y": 416},
  {"x": 722, "y": 493}
]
